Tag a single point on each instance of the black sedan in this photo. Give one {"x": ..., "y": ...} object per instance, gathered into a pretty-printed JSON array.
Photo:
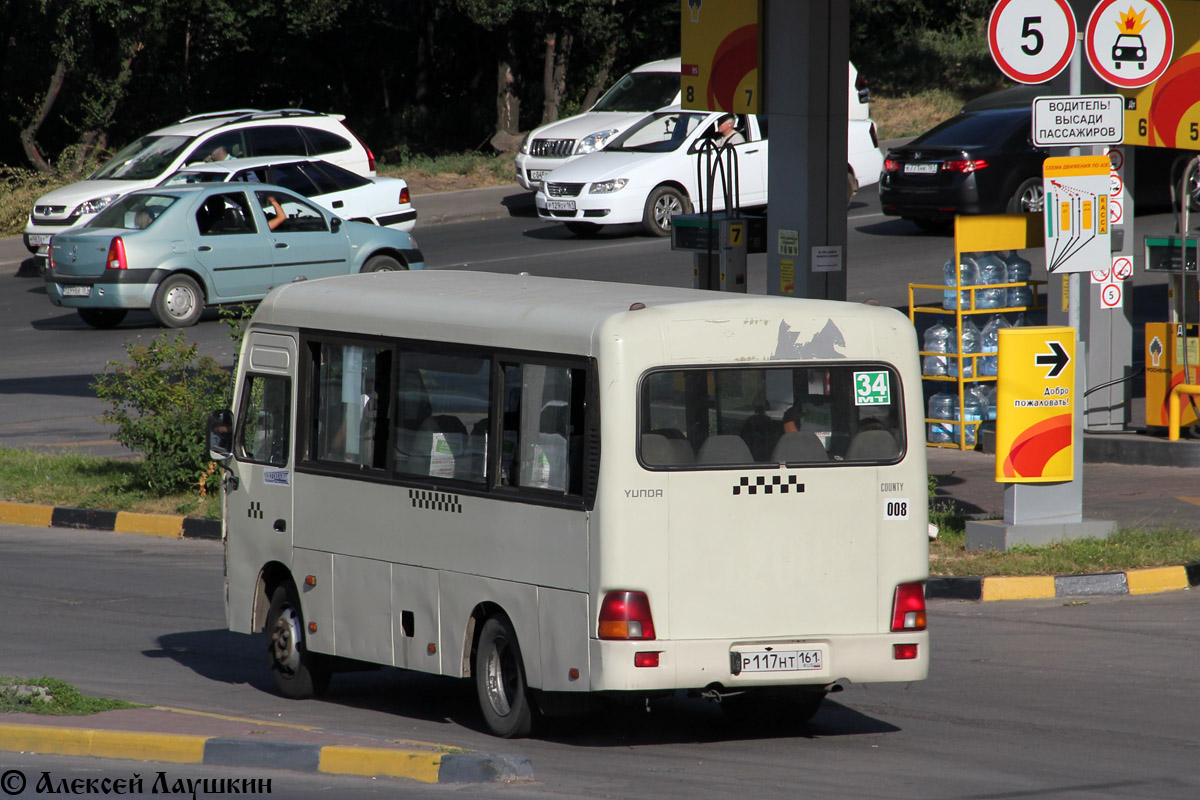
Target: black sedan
[{"x": 979, "y": 162}]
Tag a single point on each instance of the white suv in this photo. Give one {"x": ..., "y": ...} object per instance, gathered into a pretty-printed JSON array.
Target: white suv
[
  {"x": 203, "y": 137},
  {"x": 647, "y": 88}
]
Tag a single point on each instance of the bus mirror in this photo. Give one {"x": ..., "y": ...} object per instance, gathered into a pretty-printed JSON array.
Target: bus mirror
[{"x": 220, "y": 434}]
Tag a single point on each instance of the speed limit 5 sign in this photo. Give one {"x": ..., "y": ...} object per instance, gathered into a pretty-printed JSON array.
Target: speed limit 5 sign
[{"x": 1031, "y": 40}]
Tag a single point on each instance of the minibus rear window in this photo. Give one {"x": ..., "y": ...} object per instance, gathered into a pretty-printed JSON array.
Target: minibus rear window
[{"x": 738, "y": 416}]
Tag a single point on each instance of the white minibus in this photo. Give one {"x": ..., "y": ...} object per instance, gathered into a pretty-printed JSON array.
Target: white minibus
[{"x": 570, "y": 490}]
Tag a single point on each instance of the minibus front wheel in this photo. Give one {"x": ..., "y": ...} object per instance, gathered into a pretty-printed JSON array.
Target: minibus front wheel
[
  {"x": 500, "y": 680},
  {"x": 298, "y": 673}
]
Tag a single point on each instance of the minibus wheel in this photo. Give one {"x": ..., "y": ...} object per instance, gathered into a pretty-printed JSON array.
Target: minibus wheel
[
  {"x": 298, "y": 673},
  {"x": 500, "y": 680}
]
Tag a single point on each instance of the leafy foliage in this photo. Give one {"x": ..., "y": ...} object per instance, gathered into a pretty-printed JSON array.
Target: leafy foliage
[{"x": 160, "y": 404}]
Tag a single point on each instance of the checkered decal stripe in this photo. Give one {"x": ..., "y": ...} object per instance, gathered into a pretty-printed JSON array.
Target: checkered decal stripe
[
  {"x": 255, "y": 510},
  {"x": 761, "y": 485},
  {"x": 435, "y": 501}
]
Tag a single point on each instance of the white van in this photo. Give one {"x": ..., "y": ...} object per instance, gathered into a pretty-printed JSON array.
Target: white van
[
  {"x": 562, "y": 490},
  {"x": 647, "y": 88}
]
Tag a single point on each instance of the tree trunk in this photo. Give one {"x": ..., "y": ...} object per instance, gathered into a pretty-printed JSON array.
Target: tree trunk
[
  {"x": 29, "y": 133},
  {"x": 508, "y": 105},
  {"x": 593, "y": 94},
  {"x": 554, "y": 80}
]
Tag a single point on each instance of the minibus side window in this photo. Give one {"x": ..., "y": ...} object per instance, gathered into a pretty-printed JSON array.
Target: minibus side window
[
  {"x": 443, "y": 417},
  {"x": 543, "y": 427},
  {"x": 352, "y": 404},
  {"x": 264, "y": 426}
]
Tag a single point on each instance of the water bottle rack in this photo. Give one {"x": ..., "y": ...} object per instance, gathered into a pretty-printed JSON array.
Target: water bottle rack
[{"x": 958, "y": 313}]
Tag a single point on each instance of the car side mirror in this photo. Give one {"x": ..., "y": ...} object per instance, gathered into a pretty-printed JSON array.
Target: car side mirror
[
  {"x": 220, "y": 434},
  {"x": 335, "y": 225}
]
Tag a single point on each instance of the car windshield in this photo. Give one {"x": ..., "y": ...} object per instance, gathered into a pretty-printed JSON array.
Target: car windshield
[
  {"x": 146, "y": 158},
  {"x": 184, "y": 177},
  {"x": 640, "y": 91},
  {"x": 971, "y": 130},
  {"x": 663, "y": 132},
  {"x": 133, "y": 211}
]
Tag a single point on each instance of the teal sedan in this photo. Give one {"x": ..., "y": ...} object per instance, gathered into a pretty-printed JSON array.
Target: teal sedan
[{"x": 179, "y": 249}]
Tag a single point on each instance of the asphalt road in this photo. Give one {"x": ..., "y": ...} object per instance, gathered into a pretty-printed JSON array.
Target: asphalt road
[
  {"x": 51, "y": 357},
  {"x": 1088, "y": 699}
]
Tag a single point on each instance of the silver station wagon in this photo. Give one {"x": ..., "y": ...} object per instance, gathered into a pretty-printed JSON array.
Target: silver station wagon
[{"x": 179, "y": 249}]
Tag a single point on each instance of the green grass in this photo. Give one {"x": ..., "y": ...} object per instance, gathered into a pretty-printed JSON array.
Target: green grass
[
  {"x": 82, "y": 481},
  {"x": 60, "y": 698},
  {"x": 1124, "y": 550},
  {"x": 908, "y": 115}
]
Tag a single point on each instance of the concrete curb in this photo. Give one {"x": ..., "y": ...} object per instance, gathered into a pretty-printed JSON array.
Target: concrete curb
[
  {"x": 164, "y": 525},
  {"x": 424, "y": 766},
  {"x": 1138, "y": 581}
]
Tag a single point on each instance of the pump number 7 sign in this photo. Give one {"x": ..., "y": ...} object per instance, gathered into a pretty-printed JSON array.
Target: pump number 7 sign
[{"x": 1031, "y": 40}]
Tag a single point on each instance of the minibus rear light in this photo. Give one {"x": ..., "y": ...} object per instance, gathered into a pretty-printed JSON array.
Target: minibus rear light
[
  {"x": 904, "y": 652},
  {"x": 908, "y": 608},
  {"x": 649, "y": 659},
  {"x": 625, "y": 615}
]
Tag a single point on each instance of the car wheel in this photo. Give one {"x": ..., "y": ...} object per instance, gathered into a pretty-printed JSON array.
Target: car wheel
[
  {"x": 178, "y": 303},
  {"x": 102, "y": 317},
  {"x": 663, "y": 203},
  {"x": 296, "y": 672},
  {"x": 383, "y": 264},
  {"x": 583, "y": 228},
  {"x": 500, "y": 680},
  {"x": 1028, "y": 198},
  {"x": 851, "y": 187}
]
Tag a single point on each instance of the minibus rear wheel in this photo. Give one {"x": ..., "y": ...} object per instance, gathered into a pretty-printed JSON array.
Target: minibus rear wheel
[
  {"x": 500, "y": 680},
  {"x": 298, "y": 673}
]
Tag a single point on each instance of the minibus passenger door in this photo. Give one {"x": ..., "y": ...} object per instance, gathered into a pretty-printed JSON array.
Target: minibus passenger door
[{"x": 263, "y": 444}]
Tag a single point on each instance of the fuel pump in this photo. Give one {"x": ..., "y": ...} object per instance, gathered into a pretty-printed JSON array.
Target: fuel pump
[
  {"x": 1173, "y": 347},
  {"x": 719, "y": 240}
]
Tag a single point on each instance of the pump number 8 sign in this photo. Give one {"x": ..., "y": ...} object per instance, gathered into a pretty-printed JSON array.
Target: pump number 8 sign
[
  {"x": 872, "y": 389},
  {"x": 1031, "y": 40}
]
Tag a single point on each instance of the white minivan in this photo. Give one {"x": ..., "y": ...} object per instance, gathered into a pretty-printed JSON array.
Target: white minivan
[{"x": 647, "y": 88}]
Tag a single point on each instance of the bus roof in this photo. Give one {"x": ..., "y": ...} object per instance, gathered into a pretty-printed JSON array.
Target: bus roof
[{"x": 520, "y": 311}]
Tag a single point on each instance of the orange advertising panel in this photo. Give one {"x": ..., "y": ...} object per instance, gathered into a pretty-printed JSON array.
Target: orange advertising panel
[
  {"x": 720, "y": 56},
  {"x": 1035, "y": 405},
  {"x": 1167, "y": 112}
]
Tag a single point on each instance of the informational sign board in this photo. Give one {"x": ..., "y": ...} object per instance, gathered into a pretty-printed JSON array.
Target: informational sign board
[
  {"x": 1076, "y": 215},
  {"x": 1031, "y": 40},
  {"x": 720, "y": 56},
  {"x": 1129, "y": 43},
  {"x": 1089, "y": 119},
  {"x": 1166, "y": 113},
  {"x": 1035, "y": 405}
]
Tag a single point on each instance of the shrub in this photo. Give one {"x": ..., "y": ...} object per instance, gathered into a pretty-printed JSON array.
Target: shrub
[{"x": 160, "y": 404}]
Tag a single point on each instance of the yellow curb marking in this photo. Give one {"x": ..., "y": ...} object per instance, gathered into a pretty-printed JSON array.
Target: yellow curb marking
[
  {"x": 370, "y": 761},
  {"x": 25, "y": 514},
  {"x": 174, "y": 749},
  {"x": 1017, "y": 588},
  {"x": 149, "y": 524},
  {"x": 1160, "y": 579},
  {"x": 1193, "y": 500},
  {"x": 246, "y": 720}
]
